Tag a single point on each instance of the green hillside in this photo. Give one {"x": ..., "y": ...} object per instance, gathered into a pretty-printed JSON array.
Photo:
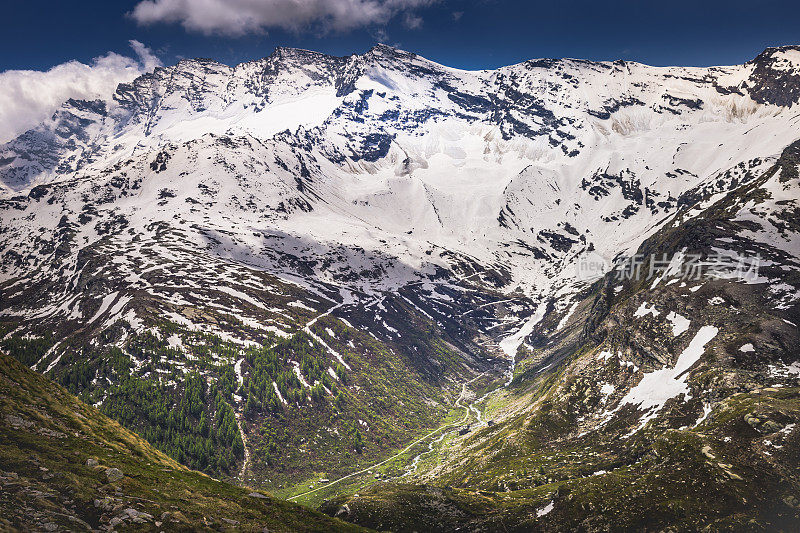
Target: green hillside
[{"x": 65, "y": 466}]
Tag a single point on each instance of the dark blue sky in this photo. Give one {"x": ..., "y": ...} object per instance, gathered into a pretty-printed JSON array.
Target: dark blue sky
[{"x": 38, "y": 34}]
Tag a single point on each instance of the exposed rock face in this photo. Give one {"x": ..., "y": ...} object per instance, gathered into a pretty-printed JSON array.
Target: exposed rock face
[{"x": 776, "y": 76}]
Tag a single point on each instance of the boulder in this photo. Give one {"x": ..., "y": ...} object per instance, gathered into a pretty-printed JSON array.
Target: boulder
[{"x": 114, "y": 474}]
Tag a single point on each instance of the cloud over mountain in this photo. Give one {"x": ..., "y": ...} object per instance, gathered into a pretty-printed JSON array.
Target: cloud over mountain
[
  {"x": 29, "y": 96},
  {"x": 240, "y": 17}
]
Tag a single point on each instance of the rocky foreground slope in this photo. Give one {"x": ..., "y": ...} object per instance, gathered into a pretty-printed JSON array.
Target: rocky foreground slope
[
  {"x": 290, "y": 270},
  {"x": 66, "y": 467}
]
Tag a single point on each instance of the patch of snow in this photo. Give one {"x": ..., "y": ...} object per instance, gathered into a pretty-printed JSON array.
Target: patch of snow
[
  {"x": 333, "y": 352},
  {"x": 604, "y": 355},
  {"x": 45, "y": 356},
  {"x": 238, "y": 369},
  {"x": 673, "y": 268},
  {"x": 785, "y": 371},
  {"x": 300, "y": 377},
  {"x": 511, "y": 344},
  {"x": 174, "y": 341},
  {"x": 277, "y": 331},
  {"x": 131, "y": 318},
  {"x": 645, "y": 309},
  {"x": 658, "y": 386},
  {"x": 544, "y": 510},
  {"x": 278, "y": 393},
  {"x": 566, "y": 317},
  {"x": 680, "y": 324},
  {"x": 54, "y": 363},
  {"x": 241, "y": 296},
  {"x": 301, "y": 305},
  {"x": 107, "y": 301},
  {"x": 706, "y": 412}
]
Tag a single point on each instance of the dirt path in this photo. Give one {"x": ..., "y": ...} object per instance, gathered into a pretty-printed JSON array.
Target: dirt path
[{"x": 246, "y": 462}]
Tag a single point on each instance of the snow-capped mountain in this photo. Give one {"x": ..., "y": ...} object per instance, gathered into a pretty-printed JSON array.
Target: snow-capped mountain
[
  {"x": 396, "y": 148},
  {"x": 380, "y": 231}
]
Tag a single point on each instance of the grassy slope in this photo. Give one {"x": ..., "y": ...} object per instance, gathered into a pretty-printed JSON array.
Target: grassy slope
[
  {"x": 715, "y": 476},
  {"x": 47, "y": 439}
]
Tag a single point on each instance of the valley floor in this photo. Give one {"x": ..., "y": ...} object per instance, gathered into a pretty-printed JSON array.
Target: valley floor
[{"x": 405, "y": 462}]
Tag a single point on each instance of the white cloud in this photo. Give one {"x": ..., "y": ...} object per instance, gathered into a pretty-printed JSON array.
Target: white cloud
[
  {"x": 240, "y": 17},
  {"x": 28, "y": 97},
  {"x": 412, "y": 21}
]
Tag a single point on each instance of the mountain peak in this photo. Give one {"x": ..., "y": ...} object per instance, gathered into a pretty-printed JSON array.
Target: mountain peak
[
  {"x": 779, "y": 57},
  {"x": 776, "y": 76},
  {"x": 388, "y": 51},
  {"x": 383, "y": 47},
  {"x": 770, "y": 50},
  {"x": 285, "y": 52},
  {"x": 197, "y": 61}
]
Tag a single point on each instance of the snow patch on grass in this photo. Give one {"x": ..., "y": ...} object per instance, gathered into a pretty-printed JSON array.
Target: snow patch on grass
[
  {"x": 301, "y": 305},
  {"x": 605, "y": 355},
  {"x": 544, "y": 510},
  {"x": 174, "y": 341}
]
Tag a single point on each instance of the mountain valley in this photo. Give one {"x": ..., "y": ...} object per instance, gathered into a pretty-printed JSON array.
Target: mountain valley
[{"x": 560, "y": 295}]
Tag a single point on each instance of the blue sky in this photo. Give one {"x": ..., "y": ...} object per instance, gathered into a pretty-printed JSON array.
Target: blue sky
[{"x": 462, "y": 33}]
